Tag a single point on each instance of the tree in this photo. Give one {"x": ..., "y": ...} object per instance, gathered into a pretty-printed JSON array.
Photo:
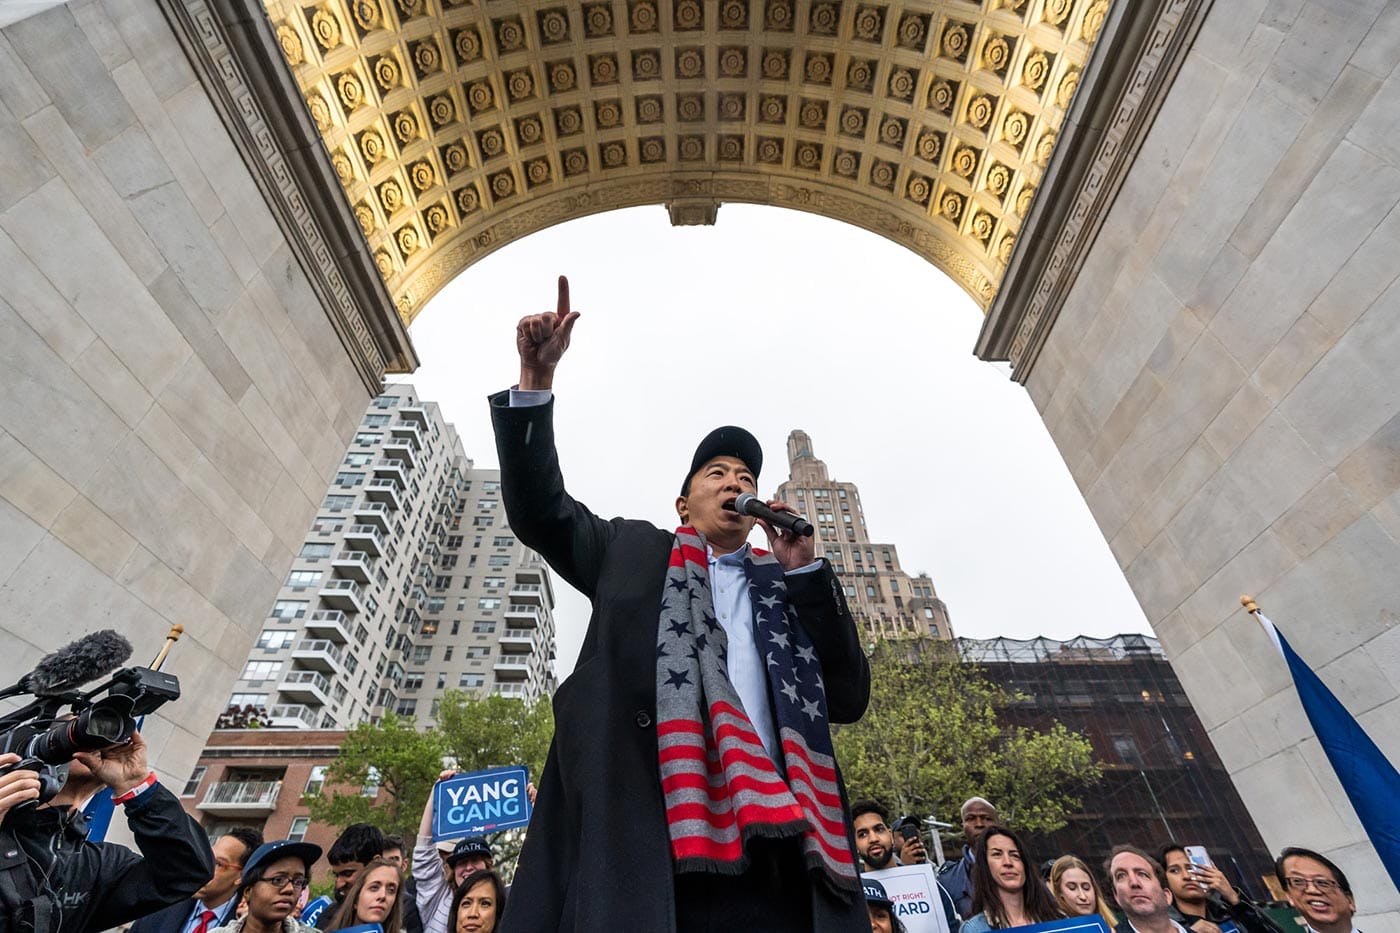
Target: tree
[
  {"x": 494, "y": 731},
  {"x": 403, "y": 763},
  {"x": 932, "y": 737}
]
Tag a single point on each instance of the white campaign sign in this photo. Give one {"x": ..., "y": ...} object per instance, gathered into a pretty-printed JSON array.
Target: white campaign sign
[{"x": 914, "y": 891}]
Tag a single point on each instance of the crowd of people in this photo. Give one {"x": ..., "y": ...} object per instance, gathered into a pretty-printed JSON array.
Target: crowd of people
[{"x": 995, "y": 883}]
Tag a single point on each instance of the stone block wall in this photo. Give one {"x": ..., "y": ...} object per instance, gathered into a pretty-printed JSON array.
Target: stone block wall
[
  {"x": 173, "y": 397},
  {"x": 1222, "y": 382}
]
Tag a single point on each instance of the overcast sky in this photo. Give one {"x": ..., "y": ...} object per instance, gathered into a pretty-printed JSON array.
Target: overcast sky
[{"x": 777, "y": 320}]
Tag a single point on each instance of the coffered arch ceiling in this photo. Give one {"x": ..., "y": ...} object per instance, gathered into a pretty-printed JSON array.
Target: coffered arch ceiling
[{"x": 456, "y": 126}]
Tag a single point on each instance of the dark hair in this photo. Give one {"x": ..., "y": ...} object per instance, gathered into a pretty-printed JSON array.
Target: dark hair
[
  {"x": 345, "y": 914},
  {"x": 1299, "y": 852},
  {"x": 471, "y": 881},
  {"x": 249, "y": 838},
  {"x": 360, "y": 842},
  {"x": 395, "y": 841},
  {"x": 1038, "y": 903},
  {"x": 1168, "y": 849},
  {"x": 1143, "y": 854},
  {"x": 862, "y": 807},
  {"x": 896, "y": 924}
]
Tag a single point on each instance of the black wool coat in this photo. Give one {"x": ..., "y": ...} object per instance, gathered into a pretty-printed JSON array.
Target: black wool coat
[{"x": 597, "y": 856}]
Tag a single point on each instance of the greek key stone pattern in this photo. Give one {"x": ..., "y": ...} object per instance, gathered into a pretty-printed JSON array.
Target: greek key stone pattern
[{"x": 456, "y": 126}]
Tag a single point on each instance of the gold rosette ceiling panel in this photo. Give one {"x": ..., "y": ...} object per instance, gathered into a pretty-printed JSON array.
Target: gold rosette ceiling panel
[{"x": 457, "y": 127}]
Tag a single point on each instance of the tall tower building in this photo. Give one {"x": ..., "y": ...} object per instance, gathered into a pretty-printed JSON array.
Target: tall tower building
[
  {"x": 409, "y": 582},
  {"x": 886, "y": 601}
]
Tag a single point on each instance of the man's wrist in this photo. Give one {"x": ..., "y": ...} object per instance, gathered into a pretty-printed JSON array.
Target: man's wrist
[
  {"x": 133, "y": 791},
  {"x": 533, "y": 379}
]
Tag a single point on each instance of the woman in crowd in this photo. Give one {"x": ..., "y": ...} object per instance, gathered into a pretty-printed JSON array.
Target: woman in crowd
[
  {"x": 273, "y": 878},
  {"x": 479, "y": 904},
  {"x": 1077, "y": 891},
  {"x": 877, "y": 901},
  {"x": 373, "y": 897},
  {"x": 1006, "y": 890}
]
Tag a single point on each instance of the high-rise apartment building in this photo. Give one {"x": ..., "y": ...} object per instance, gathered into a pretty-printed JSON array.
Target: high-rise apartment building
[
  {"x": 409, "y": 582},
  {"x": 886, "y": 601}
]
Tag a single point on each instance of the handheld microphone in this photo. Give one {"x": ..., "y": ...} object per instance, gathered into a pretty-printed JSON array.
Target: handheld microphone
[
  {"x": 74, "y": 665},
  {"x": 749, "y": 504}
]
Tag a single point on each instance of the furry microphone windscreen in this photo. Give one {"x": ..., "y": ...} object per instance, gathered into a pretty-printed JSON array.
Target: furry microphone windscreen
[{"x": 74, "y": 665}]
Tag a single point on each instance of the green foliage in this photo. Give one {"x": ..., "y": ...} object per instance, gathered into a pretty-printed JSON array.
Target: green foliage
[
  {"x": 494, "y": 731},
  {"x": 932, "y": 737},
  {"x": 477, "y": 733},
  {"x": 407, "y": 763}
]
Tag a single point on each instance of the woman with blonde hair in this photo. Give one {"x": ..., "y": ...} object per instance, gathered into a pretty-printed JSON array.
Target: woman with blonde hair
[
  {"x": 373, "y": 897},
  {"x": 1074, "y": 887}
]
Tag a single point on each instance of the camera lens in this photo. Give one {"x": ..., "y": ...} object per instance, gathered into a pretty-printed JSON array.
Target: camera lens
[{"x": 95, "y": 728}]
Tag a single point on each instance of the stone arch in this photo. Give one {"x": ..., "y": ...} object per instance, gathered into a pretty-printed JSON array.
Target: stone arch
[{"x": 457, "y": 126}]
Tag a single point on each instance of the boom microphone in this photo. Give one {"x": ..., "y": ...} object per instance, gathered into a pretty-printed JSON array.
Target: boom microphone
[
  {"x": 73, "y": 665},
  {"x": 749, "y": 504}
]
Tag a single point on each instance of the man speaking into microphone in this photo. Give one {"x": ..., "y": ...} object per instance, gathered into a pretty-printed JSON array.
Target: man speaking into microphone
[{"x": 691, "y": 785}]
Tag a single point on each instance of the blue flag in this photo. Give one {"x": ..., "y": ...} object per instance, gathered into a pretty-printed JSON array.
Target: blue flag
[{"x": 1370, "y": 780}]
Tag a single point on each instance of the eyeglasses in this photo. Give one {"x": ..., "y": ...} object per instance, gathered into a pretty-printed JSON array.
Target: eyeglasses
[
  {"x": 1322, "y": 884},
  {"x": 299, "y": 882}
]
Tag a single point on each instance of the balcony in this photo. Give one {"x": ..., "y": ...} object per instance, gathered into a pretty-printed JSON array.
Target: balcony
[
  {"x": 521, "y": 616},
  {"x": 532, "y": 572},
  {"x": 241, "y": 798},
  {"x": 329, "y": 624},
  {"x": 373, "y": 513},
  {"x": 528, "y": 593},
  {"x": 515, "y": 691},
  {"x": 291, "y": 717},
  {"x": 414, "y": 414},
  {"x": 401, "y": 450},
  {"x": 318, "y": 654},
  {"x": 306, "y": 687},
  {"x": 392, "y": 469},
  {"x": 386, "y": 490},
  {"x": 410, "y": 431},
  {"x": 343, "y": 594},
  {"x": 517, "y": 640},
  {"x": 354, "y": 565},
  {"x": 365, "y": 538},
  {"x": 510, "y": 667}
]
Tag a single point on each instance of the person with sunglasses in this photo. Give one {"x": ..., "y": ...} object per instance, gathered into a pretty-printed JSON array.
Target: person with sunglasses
[
  {"x": 273, "y": 878},
  {"x": 1317, "y": 889}
]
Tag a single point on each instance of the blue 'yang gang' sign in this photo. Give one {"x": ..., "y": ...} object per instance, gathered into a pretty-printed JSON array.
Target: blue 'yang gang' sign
[{"x": 480, "y": 802}]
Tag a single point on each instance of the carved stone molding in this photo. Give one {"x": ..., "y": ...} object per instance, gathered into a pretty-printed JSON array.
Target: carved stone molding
[
  {"x": 235, "y": 52},
  {"x": 1121, "y": 90}
]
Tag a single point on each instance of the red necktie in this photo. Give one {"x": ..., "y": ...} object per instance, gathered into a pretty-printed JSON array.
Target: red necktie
[{"x": 205, "y": 919}]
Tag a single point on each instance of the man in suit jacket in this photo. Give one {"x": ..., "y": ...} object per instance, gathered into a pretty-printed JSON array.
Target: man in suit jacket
[
  {"x": 626, "y": 833},
  {"x": 214, "y": 904}
]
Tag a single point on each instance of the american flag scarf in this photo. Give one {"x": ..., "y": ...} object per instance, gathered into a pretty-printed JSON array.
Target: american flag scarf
[{"x": 720, "y": 786}]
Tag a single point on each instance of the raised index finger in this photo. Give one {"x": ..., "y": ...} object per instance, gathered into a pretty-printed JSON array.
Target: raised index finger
[{"x": 563, "y": 308}]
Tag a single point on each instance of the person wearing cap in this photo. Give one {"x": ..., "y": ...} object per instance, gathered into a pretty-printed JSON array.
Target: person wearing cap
[
  {"x": 881, "y": 908},
  {"x": 700, "y": 649},
  {"x": 436, "y": 887},
  {"x": 273, "y": 878}
]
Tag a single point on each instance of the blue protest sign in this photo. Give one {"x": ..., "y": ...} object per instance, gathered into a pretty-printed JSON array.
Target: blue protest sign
[
  {"x": 362, "y": 928},
  {"x": 1093, "y": 923},
  {"x": 313, "y": 910},
  {"x": 481, "y": 802}
]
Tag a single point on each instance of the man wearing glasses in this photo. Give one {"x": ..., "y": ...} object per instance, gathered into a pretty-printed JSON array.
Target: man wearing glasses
[
  {"x": 273, "y": 878},
  {"x": 1317, "y": 889}
]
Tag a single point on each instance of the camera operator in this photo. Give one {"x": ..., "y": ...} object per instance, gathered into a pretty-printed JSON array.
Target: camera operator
[{"x": 52, "y": 880}]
